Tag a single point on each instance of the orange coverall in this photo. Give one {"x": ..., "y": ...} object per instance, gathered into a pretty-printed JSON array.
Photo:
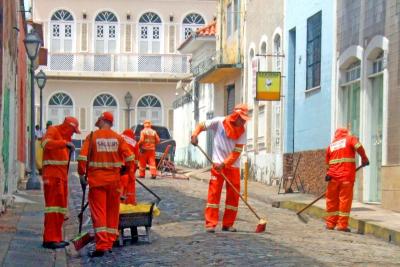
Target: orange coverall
[
  {"x": 340, "y": 156},
  {"x": 109, "y": 151},
  {"x": 128, "y": 182},
  {"x": 217, "y": 181},
  {"x": 55, "y": 182},
  {"x": 148, "y": 141}
]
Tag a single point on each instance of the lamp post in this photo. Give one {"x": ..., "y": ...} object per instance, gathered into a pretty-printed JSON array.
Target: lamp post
[
  {"x": 128, "y": 101},
  {"x": 41, "y": 80},
  {"x": 32, "y": 44}
]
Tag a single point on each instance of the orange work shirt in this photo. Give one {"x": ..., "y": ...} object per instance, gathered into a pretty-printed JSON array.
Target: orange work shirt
[
  {"x": 148, "y": 139},
  {"x": 108, "y": 152},
  {"x": 55, "y": 154}
]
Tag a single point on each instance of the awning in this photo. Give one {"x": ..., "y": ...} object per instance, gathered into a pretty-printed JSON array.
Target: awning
[{"x": 220, "y": 73}]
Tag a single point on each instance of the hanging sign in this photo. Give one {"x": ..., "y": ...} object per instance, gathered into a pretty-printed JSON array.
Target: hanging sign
[{"x": 268, "y": 86}]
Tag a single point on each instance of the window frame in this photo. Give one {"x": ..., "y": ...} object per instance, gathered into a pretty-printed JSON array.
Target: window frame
[
  {"x": 62, "y": 23},
  {"x": 193, "y": 26},
  {"x": 314, "y": 35}
]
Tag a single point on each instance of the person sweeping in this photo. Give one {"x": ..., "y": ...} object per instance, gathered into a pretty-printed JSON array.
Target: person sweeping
[
  {"x": 108, "y": 151},
  {"x": 340, "y": 157},
  {"x": 128, "y": 180},
  {"x": 228, "y": 143}
]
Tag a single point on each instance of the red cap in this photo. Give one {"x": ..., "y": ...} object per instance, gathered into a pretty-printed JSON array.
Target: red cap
[
  {"x": 72, "y": 122},
  {"x": 242, "y": 110},
  {"x": 106, "y": 116}
]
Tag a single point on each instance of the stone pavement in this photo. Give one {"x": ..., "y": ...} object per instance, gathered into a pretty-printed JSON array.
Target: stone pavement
[
  {"x": 364, "y": 218},
  {"x": 21, "y": 234},
  {"x": 179, "y": 238}
]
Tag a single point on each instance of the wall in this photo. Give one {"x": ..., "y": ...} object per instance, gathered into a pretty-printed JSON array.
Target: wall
[{"x": 312, "y": 109}]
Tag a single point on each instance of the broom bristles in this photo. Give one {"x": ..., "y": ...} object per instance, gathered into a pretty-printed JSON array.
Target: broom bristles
[
  {"x": 82, "y": 240},
  {"x": 262, "y": 224}
]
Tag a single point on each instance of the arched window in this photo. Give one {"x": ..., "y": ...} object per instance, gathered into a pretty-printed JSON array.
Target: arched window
[
  {"x": 60, "y": 106},
  {"x": 149, "y": 108},
  {"x": 192, "y": 23},
  {"x": 61, "y": 31},
  {"x": 150, "y": 33},
  {"x": 105, "y": 102},
  {"x": 263, "y": 58},
  {"x": 277, "y": 52},
  {"x": 106, "y": 32},
  {"x": 252, "y": 70}
]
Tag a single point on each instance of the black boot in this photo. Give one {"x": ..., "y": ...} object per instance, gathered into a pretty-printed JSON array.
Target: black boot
[
  {"x": 96, "y": 254},
  {"x": 54, "y": 245}
]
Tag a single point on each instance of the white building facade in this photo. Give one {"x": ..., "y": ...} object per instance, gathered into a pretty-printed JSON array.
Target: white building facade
[{"x": 100, "y": 53}]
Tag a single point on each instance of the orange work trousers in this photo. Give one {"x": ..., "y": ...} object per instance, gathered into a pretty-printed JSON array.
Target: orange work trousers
[
  {"x": 128, "y": 188},
  {"x": 339, "y": 197},
  {"x": 214, "y": 197},
  {"x": 148, "y": 156},
  {"x": 104, "y": 207},
  {"x": 56, "y": 199}
]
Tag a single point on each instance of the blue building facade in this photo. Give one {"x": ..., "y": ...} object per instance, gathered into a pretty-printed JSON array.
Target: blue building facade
[{"x": 310, "y": 36}]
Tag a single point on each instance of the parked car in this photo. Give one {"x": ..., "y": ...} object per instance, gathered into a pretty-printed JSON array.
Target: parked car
[{"x": 165, "y": 138}]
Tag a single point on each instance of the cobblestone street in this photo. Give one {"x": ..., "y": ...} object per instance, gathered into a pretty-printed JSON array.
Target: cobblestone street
[{"x": 178, "y": 237}]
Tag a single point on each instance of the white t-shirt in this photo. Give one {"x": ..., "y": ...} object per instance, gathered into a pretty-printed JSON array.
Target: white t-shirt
[{"x": 223, "y": 145}]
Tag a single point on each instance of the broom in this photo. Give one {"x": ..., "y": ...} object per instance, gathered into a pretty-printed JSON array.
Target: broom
[
  {"x": 261, "y": 222},
  {"x": 304, "y": 219},
  {"x": 84, "y": 238}
]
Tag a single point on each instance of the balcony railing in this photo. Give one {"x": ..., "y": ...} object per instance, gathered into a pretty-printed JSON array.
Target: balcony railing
[
  {"x": 123, "y": 63},
  {"x": 208, "y": 63}
]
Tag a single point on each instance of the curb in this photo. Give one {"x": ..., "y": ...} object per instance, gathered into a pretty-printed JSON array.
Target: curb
[{"x": 362, "y": 226}]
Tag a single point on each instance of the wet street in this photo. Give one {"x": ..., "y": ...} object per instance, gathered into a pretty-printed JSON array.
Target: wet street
[{"x": 178, "y": 237}]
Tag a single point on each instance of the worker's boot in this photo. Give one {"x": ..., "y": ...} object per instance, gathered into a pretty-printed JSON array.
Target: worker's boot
[
  {"x": 153, "y": 177},
  {"x": 347, "y": 230},
  {"x": 229, "y": 229},
  {"x": 96, "y": 254},
  {"x": 210, "y": 230},
  {"x": 54, "y": 245},
  {"x": 329, "y": 227}
]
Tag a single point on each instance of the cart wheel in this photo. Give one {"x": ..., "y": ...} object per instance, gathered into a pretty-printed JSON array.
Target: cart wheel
[
  {"x": 148, "y": 234},
  {"x": 134, "y": 235}
]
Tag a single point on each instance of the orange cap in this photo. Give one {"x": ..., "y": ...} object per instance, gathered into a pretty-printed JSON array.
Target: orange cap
[
  {"x": 72, "y": 122},
  {"x": 106, "y": 116},
  {"x": 242, "y": 110}
]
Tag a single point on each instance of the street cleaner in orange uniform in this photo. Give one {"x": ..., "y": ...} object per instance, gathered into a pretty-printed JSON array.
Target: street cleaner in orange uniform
[
  {"x": 128, "y": 180},
  {"x": 229, "y": 140},
  {"x": 341, "y": 158},
  {"x": 56, "y": 143},
  {"x": 108, "y": 151},
  {"x": 147, "y": 144}
]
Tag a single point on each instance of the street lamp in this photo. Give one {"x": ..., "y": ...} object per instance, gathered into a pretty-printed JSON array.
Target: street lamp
[
  {"x": 41, "y": 80},
  {"x": 128, "y": 101},
  {"x": 32, "y": 44}
]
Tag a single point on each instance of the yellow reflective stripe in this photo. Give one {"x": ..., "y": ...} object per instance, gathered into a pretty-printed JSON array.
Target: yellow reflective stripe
[
  {"x": 342, "y": 160},
  {"x": 149, "y": 140},
  {"x": 100, "y": 229},
  {"x": 130, "y": 158},
  {"x": 332, "y": 213},
  {"x": 105, "y": 164},
  {"x": 343, "y": 214},
  {"x": 357, "y": 146},
  {"x": 214, "y": 206},
  {"x": 229, "y": 207},
  {"x": 106, "y": 229},
  {"x": 44, "y": 142},
  {"x": 55, "y": 162},
  {"x": 55, "y": 210},
  {"x": 152, "y": 168},
  {"x": 83, "y": 158},
  {"x": 238, "y": 149}
]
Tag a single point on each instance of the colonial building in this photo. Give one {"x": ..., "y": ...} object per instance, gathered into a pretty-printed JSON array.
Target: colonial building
[
  {"x": 367, "y": 92},
  {"x": 263, "y": 52},
  {"x": 310, "y": 34},
  {"x": 118, "y": 56}
]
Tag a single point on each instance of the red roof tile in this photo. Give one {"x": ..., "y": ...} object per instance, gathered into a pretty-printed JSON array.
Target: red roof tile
[{"x": 208, "y": 30}]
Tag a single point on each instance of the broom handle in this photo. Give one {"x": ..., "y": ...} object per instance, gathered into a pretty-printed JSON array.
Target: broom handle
[
  {"x": 149, "y": 190},
  {"x": 84, "y": 187},
  {"x": 318, "y": 198},
  {"x": 230, "y": 184}
]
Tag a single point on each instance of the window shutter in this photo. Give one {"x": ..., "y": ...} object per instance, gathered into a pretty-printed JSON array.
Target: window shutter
[
  {"x": 82, "y": 118},
  {"x": 84, "y": 37},
  {"x": 171, "y": 35},
  {"x": 128, "y": 38}
]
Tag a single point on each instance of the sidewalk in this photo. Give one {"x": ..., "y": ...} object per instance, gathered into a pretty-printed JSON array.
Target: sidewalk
[
  {"x": 21, "y": 234},
  {"x": 364, "y": 218}
]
